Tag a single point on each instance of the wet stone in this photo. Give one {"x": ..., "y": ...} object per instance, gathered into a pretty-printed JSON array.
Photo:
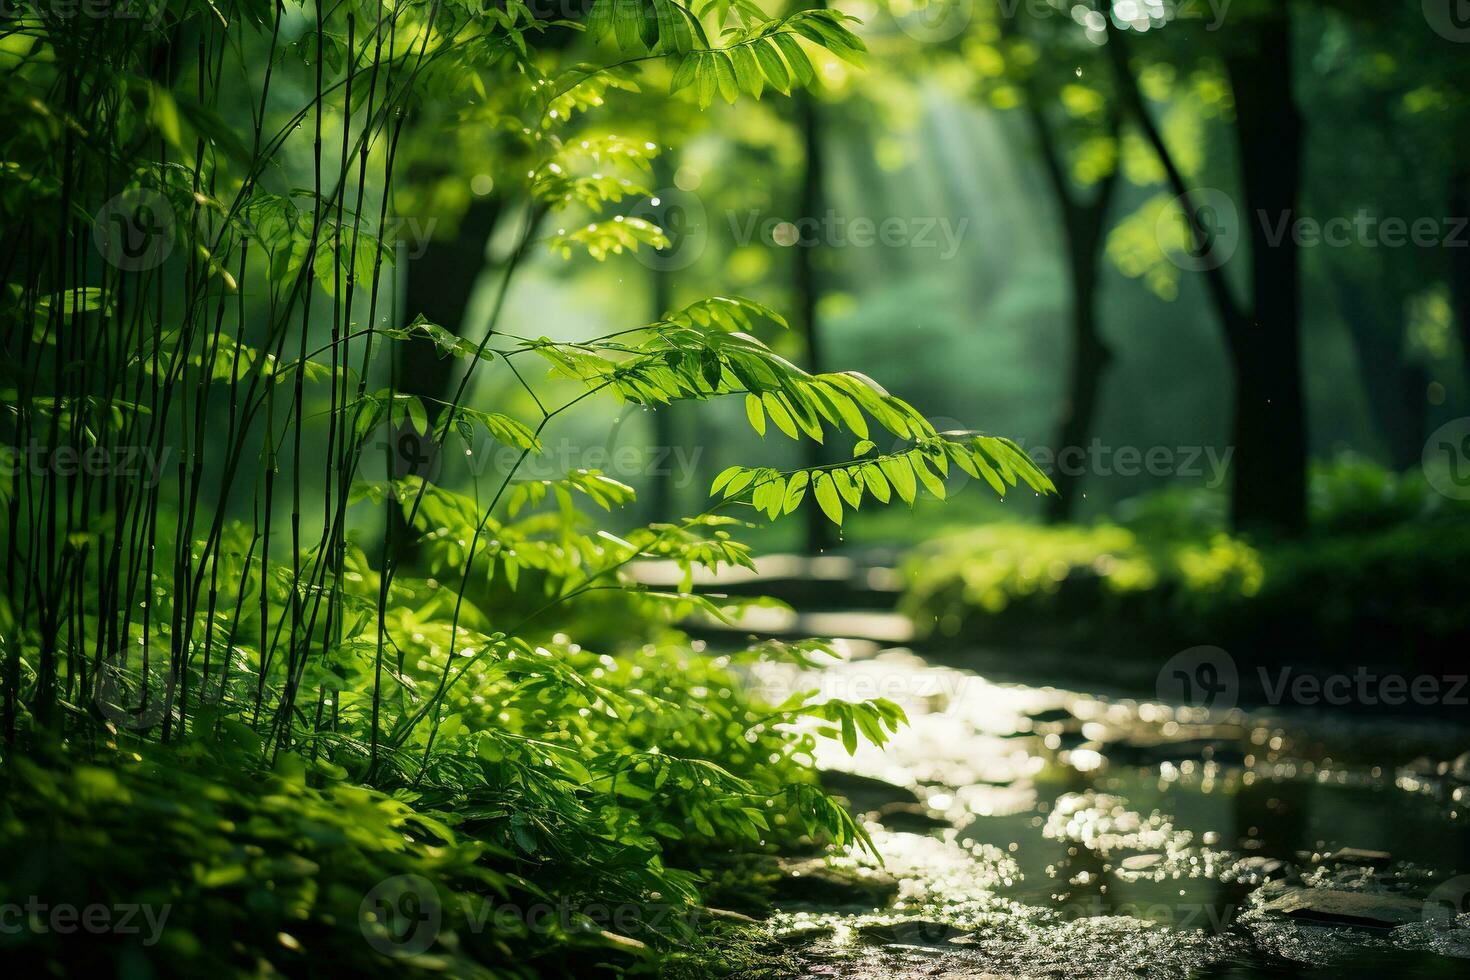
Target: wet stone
[
  {"x": 1342, "y": 908},
  {"x": 1141, "y": 862},
  {"x": 909, "y": 818},
  {"x": 911, "y": 932},
  {"x": 864, "y": 792},
  {"x": 1051, "y": 716},
  {"x": 804, "y": 935},
  {"x": 1261, "y": 866},
  {"x": 816, "y": 882},
  {"x": 1360, "y": 856}
]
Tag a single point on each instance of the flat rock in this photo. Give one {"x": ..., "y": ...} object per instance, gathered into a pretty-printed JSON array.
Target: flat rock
[
  {"x": 802, "y": 935},
  {"x": 1342, "y": 908},
  {"x": 1141, "y": 862},
  {"x": 911, "y": 818},
  {"x": 1051, "y": 716},
  {"x": 1360, "y": 856},
  {"x": 815, "y": 881},
  {"x": 865, "y": 793},
  {"x": 911, "y": 932},
  {"x": 1261, "y": 866}
]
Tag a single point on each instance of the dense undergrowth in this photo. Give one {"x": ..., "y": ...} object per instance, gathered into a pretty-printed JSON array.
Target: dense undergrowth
[
  {"x": 289, "y": 682},
  {"x": 1377, "y": 581}
]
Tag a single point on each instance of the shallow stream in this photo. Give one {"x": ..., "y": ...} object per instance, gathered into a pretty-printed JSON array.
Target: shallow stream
[{"x": 1065, "y": 834}]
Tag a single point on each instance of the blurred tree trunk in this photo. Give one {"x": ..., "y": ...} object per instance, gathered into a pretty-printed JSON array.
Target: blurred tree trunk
[
  {"x": 661, "y": 495},
  {"x": 438, "y": 285},
  {"x": 1270, "y": 433},
  {"x": 1460, "y": 270},
  {"x": 819, "y": 535},
  {"x": 1393, "y": 384},
  {"x": 1083, "y": 223}
]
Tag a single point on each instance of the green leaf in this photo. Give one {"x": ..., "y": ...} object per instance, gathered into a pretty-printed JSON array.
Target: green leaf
[
  {"x": 776, "y": 407},
  {"x": 755, "y": 414},
  {"x": 747, "y": 72},
  {"x": 901, "y": 475},
  {"x": 828, "y": 498},
  {"x": 795, "y": 491},
  {"x": 801, "y": 66},
  {"x": 932, "y": 482},
  {"x": 725, "y": 72},
  {"x": 771, "y": 63}
]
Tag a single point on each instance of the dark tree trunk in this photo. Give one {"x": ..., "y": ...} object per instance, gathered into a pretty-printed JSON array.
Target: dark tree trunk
[
  {"x": 1083, "y": 223},
  {"x": 1394, "y": 386},
  {"x": 1460, "y": 270},
  {"x": 661, "y": 493},
  {"x": 819, "y": 535},
  {"x": 1089, "y": 361},
  {"x": 438, "y": 285},
  {"x": 1269, "y": 430}
]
